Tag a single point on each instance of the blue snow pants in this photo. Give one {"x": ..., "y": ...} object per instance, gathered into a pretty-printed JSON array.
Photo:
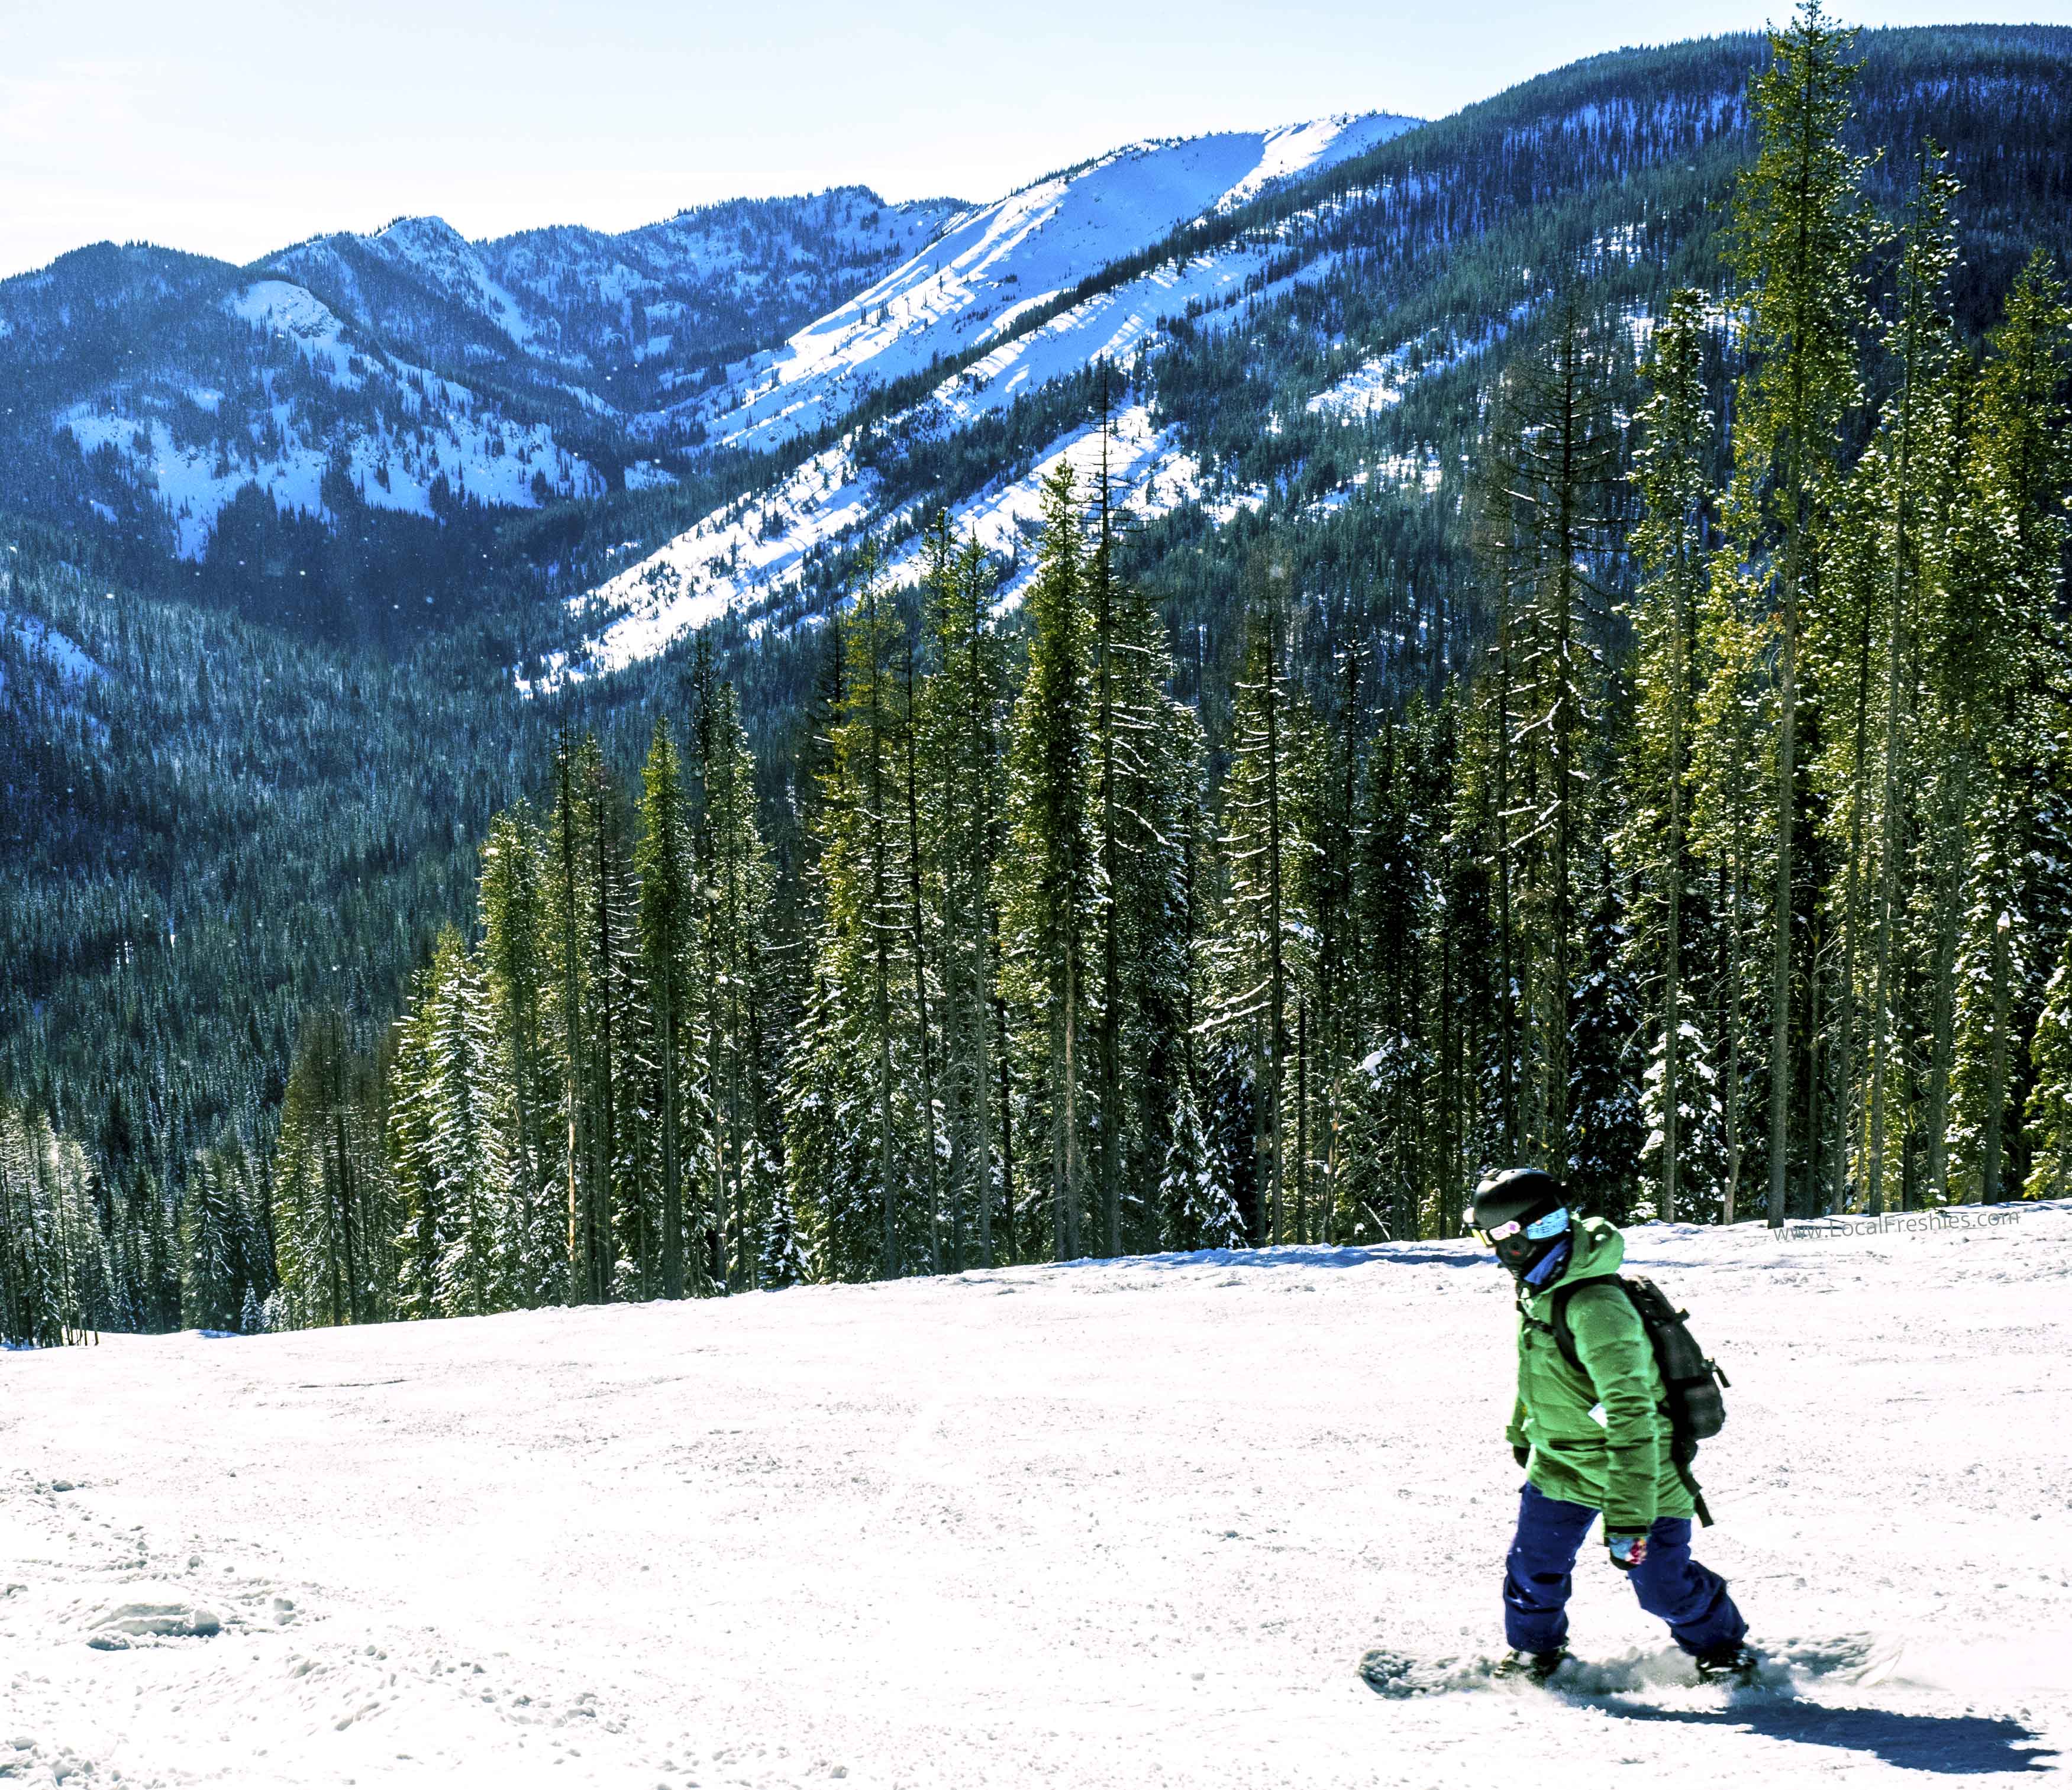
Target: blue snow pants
[{"x": 1669, "y": 1584}]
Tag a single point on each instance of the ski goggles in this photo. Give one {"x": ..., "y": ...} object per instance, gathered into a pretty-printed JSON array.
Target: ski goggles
[{"x": 1539, "y": 1230}]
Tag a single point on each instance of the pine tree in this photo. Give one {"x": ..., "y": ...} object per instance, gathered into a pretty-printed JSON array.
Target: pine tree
[
  {"x": 738, "y": 882},
  {"x": 958, "y": 729},
  {"x": 1672, "y": 547},
  {"x": 1051, "y": 869},
  {"x": 334, "y": 1196},
  {"x": 851, "y": 1100},
  {"x": 1914, "y": 453},
  {"x": 1606, "y": 1135},
  {"x": 2049, "y": 1112},
  {"x": 1260, "y": 959},
  {"x": 517, "y": 977},
  {"x": 47, "y": 1234},
  {"x": 1200, "y": 1213},
  {"x": 571, "y": 857},
  {"x": 464, "y": 1176},
  {"x": 1799, "y": 234},
  {"x": 222, "y": 1238},
  {"x": 1732, "y": 752},
  {"x": 1554, "y": 460},
  {"x": 668, "y": 944},
  {"x": 781, "y": 1261}
]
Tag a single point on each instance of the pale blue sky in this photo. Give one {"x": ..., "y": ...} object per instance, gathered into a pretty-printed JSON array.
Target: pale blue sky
[{"x": 231, "y": 127}]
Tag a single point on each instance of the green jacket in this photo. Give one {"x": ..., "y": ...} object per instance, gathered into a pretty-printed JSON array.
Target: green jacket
[{"x": 1617, "y": 1462}]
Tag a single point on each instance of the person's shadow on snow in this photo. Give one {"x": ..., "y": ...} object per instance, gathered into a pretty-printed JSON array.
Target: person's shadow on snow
[{"x": 1962, "y": 1746}]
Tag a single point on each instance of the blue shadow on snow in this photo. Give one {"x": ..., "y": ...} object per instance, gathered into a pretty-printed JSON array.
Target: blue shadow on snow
[{"x": 1957, "y": 1745}]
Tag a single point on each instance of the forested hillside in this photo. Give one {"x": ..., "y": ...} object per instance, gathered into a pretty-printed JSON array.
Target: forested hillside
[{"x": 1596, "y": 697}]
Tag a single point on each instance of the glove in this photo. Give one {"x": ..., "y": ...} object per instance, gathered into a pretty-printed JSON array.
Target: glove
[
  {"x": 1521, "y": 1452},
  {"x": 1627, "y": 1551}
]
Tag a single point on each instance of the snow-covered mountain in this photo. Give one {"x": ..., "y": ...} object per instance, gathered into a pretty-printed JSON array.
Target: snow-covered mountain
[
  {"x": 631, "y": 320},
  {"x": 151, "y": 389},
  {"x": 981, "y": 280},
  {"x": 994, "y": 264},
  {"x": 408, "y": 369},
  {"x": 1120, "y": 1523},
  {"x": 317, "y": 399}
]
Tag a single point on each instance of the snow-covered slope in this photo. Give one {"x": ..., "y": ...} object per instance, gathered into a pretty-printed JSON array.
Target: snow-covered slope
[
  {"x": 996, "y": 263},
  {"x": 414, "y": 366},
  {"x": 312, "y": 399},
  {"x": 403, "y": 357},
  {"x": 987, "y": 272},
  {"x": 747, "y": 558},
  {"x": 632, "y": 318},
  {"x": 1106, "y": 1524}
]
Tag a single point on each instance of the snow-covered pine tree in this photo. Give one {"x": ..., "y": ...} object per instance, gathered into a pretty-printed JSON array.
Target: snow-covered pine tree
[
  {"x": 411, "y": 1145},
  {"x": 851, "y": 1120},
  {"x": 571, "y": 903},
  {"x": 781, "y": 1256},
  {"x": 737, "y": 881},
  {"x": 466, "y": 1171},
  {"x": 2022, "y": 463},
  {"x": 1552, "y": 460},
  {"x": 959, "y": 726},
  {"x": 1050, "y": 873},
  {"x": 223, "y": 1244},
  {"x": 668, "y": 944},
  {"x": 1732, "y": 755},
  {"x": 518, "y": 977},
  {"x": 336, "y": 1220},
  {"x": 2049, "y": 1109},
  {"x": 1200, "y": 1214},
  {"x": 1673, "y": 546},
  {"x": 1390, "y": 1088},
  {"x": 1606, "y": 1021},
  {"x": 1915, "y": 452},
  {"x": 1260, "y": 958},
  {"x": 1800, "y": 235},
  {"x": 47, "y": 1229}
]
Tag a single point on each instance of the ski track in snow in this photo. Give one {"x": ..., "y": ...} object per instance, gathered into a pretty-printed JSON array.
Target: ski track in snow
[{"x": 1118, "y": 1524}]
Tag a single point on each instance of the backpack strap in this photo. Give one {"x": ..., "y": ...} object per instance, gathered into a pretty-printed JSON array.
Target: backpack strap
[
  {"x": 1680, "y": 1450},
  {"x": 1565, "y": 1337}
]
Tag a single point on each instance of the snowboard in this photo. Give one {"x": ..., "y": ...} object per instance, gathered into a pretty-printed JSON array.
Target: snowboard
[{"x": 1861, "y": 1659}]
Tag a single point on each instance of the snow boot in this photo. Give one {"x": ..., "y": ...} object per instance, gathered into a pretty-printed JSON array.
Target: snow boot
[
  {"x": 1534, "y": 1668},
  {"x": 1734, "y": 1663}
]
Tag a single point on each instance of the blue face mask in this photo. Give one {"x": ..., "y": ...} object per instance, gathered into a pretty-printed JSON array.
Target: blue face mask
[{"x": 1549, "y": 1266}]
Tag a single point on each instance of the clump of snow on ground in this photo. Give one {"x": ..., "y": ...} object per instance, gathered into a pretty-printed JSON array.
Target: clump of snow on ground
[{"x": 1103, "y": 1524}]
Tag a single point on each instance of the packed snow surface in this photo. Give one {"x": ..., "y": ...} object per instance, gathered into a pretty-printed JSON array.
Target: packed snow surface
[{"x": 1116, "y": 1523}]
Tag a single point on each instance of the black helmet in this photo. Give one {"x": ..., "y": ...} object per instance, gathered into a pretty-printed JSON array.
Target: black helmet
[{"x": 1522, "y": 1213}]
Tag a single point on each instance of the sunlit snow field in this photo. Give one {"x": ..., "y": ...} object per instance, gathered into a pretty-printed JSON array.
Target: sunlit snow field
[{"x": 1105, "y": 1524}]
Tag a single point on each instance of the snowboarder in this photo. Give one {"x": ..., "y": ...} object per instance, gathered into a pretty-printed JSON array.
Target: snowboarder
[{"x": 1577, "y": 1468}]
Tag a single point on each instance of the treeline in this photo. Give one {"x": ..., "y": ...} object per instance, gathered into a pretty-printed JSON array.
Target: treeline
[{"x": 78, "y": 1256}]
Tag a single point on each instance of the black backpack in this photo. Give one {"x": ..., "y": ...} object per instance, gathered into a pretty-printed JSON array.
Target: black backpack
[{"x": 1691, "y": 1380}]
